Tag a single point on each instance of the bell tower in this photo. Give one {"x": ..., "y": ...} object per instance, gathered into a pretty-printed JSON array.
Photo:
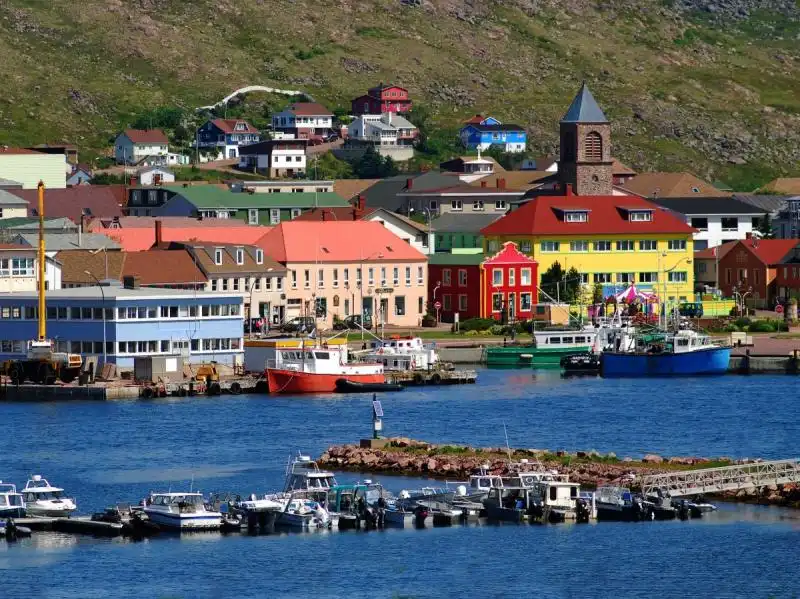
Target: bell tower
[{"x": 585, "y": 159}]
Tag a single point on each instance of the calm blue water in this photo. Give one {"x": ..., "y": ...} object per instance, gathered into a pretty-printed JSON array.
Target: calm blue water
[{"x": 108, "y": 452}]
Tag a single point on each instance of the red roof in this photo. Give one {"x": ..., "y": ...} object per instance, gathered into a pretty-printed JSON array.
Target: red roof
[
  {"x": 769, "y": 251},
  {"x": 146, "y": 136},
  {"x": 509, "y": 254},
  {"x": 544, "y": 215},
  {"x": 309, "y": 109},
  {"x": 337, "y": 241},
  {"x": 14, "y": 246},
  {"x": 163, "y": 267},
  {"x": 476, "y": 120},
  {"x": 718, "y": 251},
  {"x": 7, "y": 150},
  {"x": 95, "y": 201},
  {"x": 136, "y": 239},
  {"x": 229, "y": 126}
]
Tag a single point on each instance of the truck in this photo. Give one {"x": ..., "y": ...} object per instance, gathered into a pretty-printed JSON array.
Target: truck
[{"x": 43, "y": 365}]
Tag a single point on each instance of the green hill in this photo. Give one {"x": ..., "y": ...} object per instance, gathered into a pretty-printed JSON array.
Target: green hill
[{"x": 711, "y": 87}]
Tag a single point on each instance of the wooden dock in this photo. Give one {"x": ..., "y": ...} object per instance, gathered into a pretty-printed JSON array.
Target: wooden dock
[
  {"x": 411, "y": 378},
  {"x": 191, "y": 388}
]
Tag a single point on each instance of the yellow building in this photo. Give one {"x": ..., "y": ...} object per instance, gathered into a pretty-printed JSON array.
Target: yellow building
[{"x": 610, "y": 238}]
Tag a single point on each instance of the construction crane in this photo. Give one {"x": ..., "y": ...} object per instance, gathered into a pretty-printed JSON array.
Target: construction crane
[{"x": 43, "y": 364}]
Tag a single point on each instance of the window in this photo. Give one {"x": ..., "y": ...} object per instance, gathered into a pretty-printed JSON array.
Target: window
[
  {"x": 602, "y": 246},
  {"x": 462, "y": 277},
  {"x": 497, "y": 277},
  {"x": 550, "y": 246},
  {"x": 676, "y": 244},
  {"x": 295, "y": 212},
  {"x": 358, "y": 277},
  {"x": 512, "y": 277},
  {"x": 274, "y": 216},
  {"x": 499, "y": 204},
  {"x": 86, "y": 313},
  {"x": 236, "y": 284},
  {"x": 525, "y": 302},
  {"x": 383, "y": 276},
  {"x": 335, "y": 277},
  {"x": 399, "y": 305},
  {"x": 420, "y": 275},
  {"x": 492, "y": 245},
  {"x": 224, "y": 284},
  {"x": 395, "y": 276},
  {"x": 456, "y": 205},
  {"x": 524, "y": 276},
  {"x": 497, "y": 302},
  {"x": 625, "y": 278},
  {"x": 75, "y": 313},
  {"x": 213, "y": 284},
  {"x": 730, "y": 224},
  {"x": 477, "y": 205},
  {"x": 408, "y": 276},
  {"x": 677, "y": 276},
  {"x": 576, "y": 216},
  {"x": 218, "y": 256},
  {"x": 700, "y": 223},
  {"x": 578, "y": 246},
  {"x": 252, "y": 216},
  {"x": 728, "y": 276},
  {"x": 525, "y": 247},
  {"x": 602, "y": 277},
  {"x": 294, "y": 279},
  {"x": 239, "y": 256},
  {"x": 701, "y": 267},
  {"x": 306, "y": 279},
  {"x": 648, "y": 245},
  {"x": 320, "y": 278},
  {"x": 638, "y": 216},
  {"x": 347, "y": 276},
  {"x": 755, "y": 276},
  {"x": 447, "y": 302},
  {"x": 446, "y": 277},
  {"x": 278, "y": 283},
  {"x": 593, "y": 146},
  {"x": 370, "y": 276},
  {"x": 648, "y": 277},
  {"x": 626, "y": 245}
]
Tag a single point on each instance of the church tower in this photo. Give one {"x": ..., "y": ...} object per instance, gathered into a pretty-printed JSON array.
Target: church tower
[{"x": 585, "y": 160}]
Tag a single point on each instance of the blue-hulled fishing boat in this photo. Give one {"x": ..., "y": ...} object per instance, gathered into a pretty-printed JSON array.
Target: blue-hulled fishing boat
[{"x": 682, "y": 353}]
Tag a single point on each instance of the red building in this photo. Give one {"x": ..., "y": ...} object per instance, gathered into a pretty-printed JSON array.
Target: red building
[
  {"x": 787, "y": 276},
  {"x": 750, "y": 265},
  {"x": 382, "y": 98},
  {"x": 509, "y": 284},
  {"x": 502, "y": 286}
]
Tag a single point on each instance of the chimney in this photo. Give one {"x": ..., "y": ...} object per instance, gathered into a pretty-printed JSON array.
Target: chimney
[
  {"x": 133, "y": 181},
  {"x": 568, "y": 189},
  {"x": 409, "y": 183},
  {"x": 483, "y": 184},
  {"x": 501, "y": 183},
  {"x": 130, "y": 282},
  {"x": 748, "y": 235},
  {"x": 362, "y": 204},
  {"x": 159, "y": 238},
  {"x": 323, "y": 216}
]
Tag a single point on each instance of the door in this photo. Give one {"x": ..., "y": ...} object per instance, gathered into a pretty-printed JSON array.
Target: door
[
  {"x": 512, "y": 309},
  {"x": 347, "y": 307},
  {"x": 232, "y": 153},
  {"x": 277, "y": 315},
  {"x": 384, "y": 310},
  {"x": 366, "y": 307}
]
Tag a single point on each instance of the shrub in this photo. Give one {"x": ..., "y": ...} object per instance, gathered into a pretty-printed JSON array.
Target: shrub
[
  {"x": 730, "y": 328},
  {"x": 761, "y": 326},
  {"x": 477, "y": 324},
  {"x": 429, "y": 320},
  {"x": 742, "y": 322}
]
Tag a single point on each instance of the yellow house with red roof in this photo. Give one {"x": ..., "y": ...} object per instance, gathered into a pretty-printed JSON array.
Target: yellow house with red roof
[{"x": 611, "y": 240}]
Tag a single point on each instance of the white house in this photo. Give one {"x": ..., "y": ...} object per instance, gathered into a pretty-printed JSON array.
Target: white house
[
  {"x": 417, "y": 235},
  {"x": 134, "y": 145},
  {"x": 28, "y": 167},
  {"x": 155, "y": 175},
  {"x": 385, "y": 129},
  {"x": 716, "y": 219},
  {"x": 18, "y": 271},
  {"x": 279, "y": 157},
  {"x": 225, "y": 137},
  {"x": 12, "y": 206},
  {"x": 303, "y": 120}
]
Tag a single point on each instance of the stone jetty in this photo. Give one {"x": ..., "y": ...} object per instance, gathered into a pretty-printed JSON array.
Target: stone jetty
[{"x": 409, "y": 457}]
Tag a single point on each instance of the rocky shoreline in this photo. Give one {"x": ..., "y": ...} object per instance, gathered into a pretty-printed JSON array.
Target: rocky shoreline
[{"x": 408, "y": 457}]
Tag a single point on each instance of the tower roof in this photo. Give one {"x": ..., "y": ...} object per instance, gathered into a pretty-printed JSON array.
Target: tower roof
[{"x": 584, "y": 109}]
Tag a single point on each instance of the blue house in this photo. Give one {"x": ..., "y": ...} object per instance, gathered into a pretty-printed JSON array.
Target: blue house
[
  {"x": 223, "y": 137},
  {"x": 201, "y": 326},
  {"x": 485, "y": 132}
]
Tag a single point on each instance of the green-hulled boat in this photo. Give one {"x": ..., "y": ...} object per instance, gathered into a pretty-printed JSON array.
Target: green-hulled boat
[{"x": 546, "y": 352}]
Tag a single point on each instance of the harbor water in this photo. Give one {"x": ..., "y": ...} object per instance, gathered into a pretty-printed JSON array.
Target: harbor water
[{"x": 107, "y": 452}]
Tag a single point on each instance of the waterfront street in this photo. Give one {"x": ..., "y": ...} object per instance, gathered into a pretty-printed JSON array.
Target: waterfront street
[{"x": 105, "y": 452}]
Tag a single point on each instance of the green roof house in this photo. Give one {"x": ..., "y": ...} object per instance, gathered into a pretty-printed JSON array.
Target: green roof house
[{"x": 210, "y": 201}]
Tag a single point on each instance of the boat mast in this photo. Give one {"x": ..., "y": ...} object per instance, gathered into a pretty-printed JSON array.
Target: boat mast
[{"x": 42, "y": 311}]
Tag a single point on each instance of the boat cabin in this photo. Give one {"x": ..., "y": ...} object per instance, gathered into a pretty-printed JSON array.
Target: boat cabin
[
  {"x": 559, "y": 494},
  {"x": 403, "y": 353},
  {"x": 564, "y": 339},
  {"x": 38, "y": 489},
  {"x": 9, "y": 498},
  {"x": 305, "y": 475},
  {"x": 177, "y": 500},
  {"x": 313, "y": 360},
  {"x": 345, "y": 498}
]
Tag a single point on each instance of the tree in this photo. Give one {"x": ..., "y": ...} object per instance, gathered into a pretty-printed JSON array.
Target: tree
[
  {"x": 597, "y": 294},
  {"x": 327, "y": 167},
  {"x": 560, "y": 285},
  {"x": 765, "y": 227},
  {"x": 374, "y": 166},
  {"x": 163, "y": 117}
]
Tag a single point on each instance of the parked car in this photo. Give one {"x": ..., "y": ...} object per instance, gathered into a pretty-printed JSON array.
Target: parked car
[
  {"x": 353, "y": 323},
  {"x": 691, "y": 309},
  {"x": 298, "y": 324}
]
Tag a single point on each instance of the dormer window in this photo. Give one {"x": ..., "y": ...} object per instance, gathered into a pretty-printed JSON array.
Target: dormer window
[
  {"x": 639, "y": 216},
  {"x": 241, "y": 127},
  {"x": 695, "y": 190},
  {"x": 218, "y": 256},
  {"x": 239, "y": 256},
  {"x": 576, "y": 216},
  {"x": 259, "y": 256}
]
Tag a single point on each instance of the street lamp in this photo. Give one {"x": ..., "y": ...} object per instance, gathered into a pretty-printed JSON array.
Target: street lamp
[
  {"x": 103, "y": 294},
  {"x": 664, "y": 280},
  {"x": 379, "y": 256}
]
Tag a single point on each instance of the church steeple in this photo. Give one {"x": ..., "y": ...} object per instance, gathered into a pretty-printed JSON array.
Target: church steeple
[{"x": 585, "y": 160}]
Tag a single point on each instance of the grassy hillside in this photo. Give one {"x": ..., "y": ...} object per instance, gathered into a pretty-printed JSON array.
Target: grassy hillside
[{"x": 714, "y": 93}]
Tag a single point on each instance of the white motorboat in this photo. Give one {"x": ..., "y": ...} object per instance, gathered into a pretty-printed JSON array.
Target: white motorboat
[
  {"x": 303, "y": 474},
  {"x": 403, "y": 353},
  {"x": 12, "y": 505},
  {"x": 42, "y": 499},
  {"x": 306, "y": 514},
  {"x": 181, "y": 511}
]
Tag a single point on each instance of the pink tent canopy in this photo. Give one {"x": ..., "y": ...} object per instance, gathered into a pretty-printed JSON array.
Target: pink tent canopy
[{"x": 631, "y": 294}]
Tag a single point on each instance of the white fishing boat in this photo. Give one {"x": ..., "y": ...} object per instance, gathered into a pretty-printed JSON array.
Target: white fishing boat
[
  {"x": 403, "y": 353},
  {"x": 181, "y": 511},
  {"x": 12, "y": 505},
  {"x": 305, "y": 514},
  {"x": 43, "y": 499}
]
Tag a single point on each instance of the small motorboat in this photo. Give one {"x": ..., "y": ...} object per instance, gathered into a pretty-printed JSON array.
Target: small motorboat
[
  {"x": 12, "y": 532},
  {"x": 44, "y": 500},
  {"x": 580, "y": 364},
  {"x": 348, "y": 386},
  {"x": 11, "y": 503},
  {"x": 181, "y": 511}
]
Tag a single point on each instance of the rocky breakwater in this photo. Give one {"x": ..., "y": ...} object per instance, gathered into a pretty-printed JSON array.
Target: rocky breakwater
[{"x": 408, "y": 457}]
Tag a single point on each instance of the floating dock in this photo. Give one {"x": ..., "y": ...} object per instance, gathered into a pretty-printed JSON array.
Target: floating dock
[{"x": 409, "y": 378}]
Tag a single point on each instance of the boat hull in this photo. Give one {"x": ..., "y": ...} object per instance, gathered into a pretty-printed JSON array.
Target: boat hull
[
  {"x": 185, "y": 521},
  {"x": 48, "y": 511},
  {"x": 290, "y": 381},
  {"x": 12, "y": 512},
  {"x": 527, "y": 356},
  {"x": 701, "y": 362}
]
